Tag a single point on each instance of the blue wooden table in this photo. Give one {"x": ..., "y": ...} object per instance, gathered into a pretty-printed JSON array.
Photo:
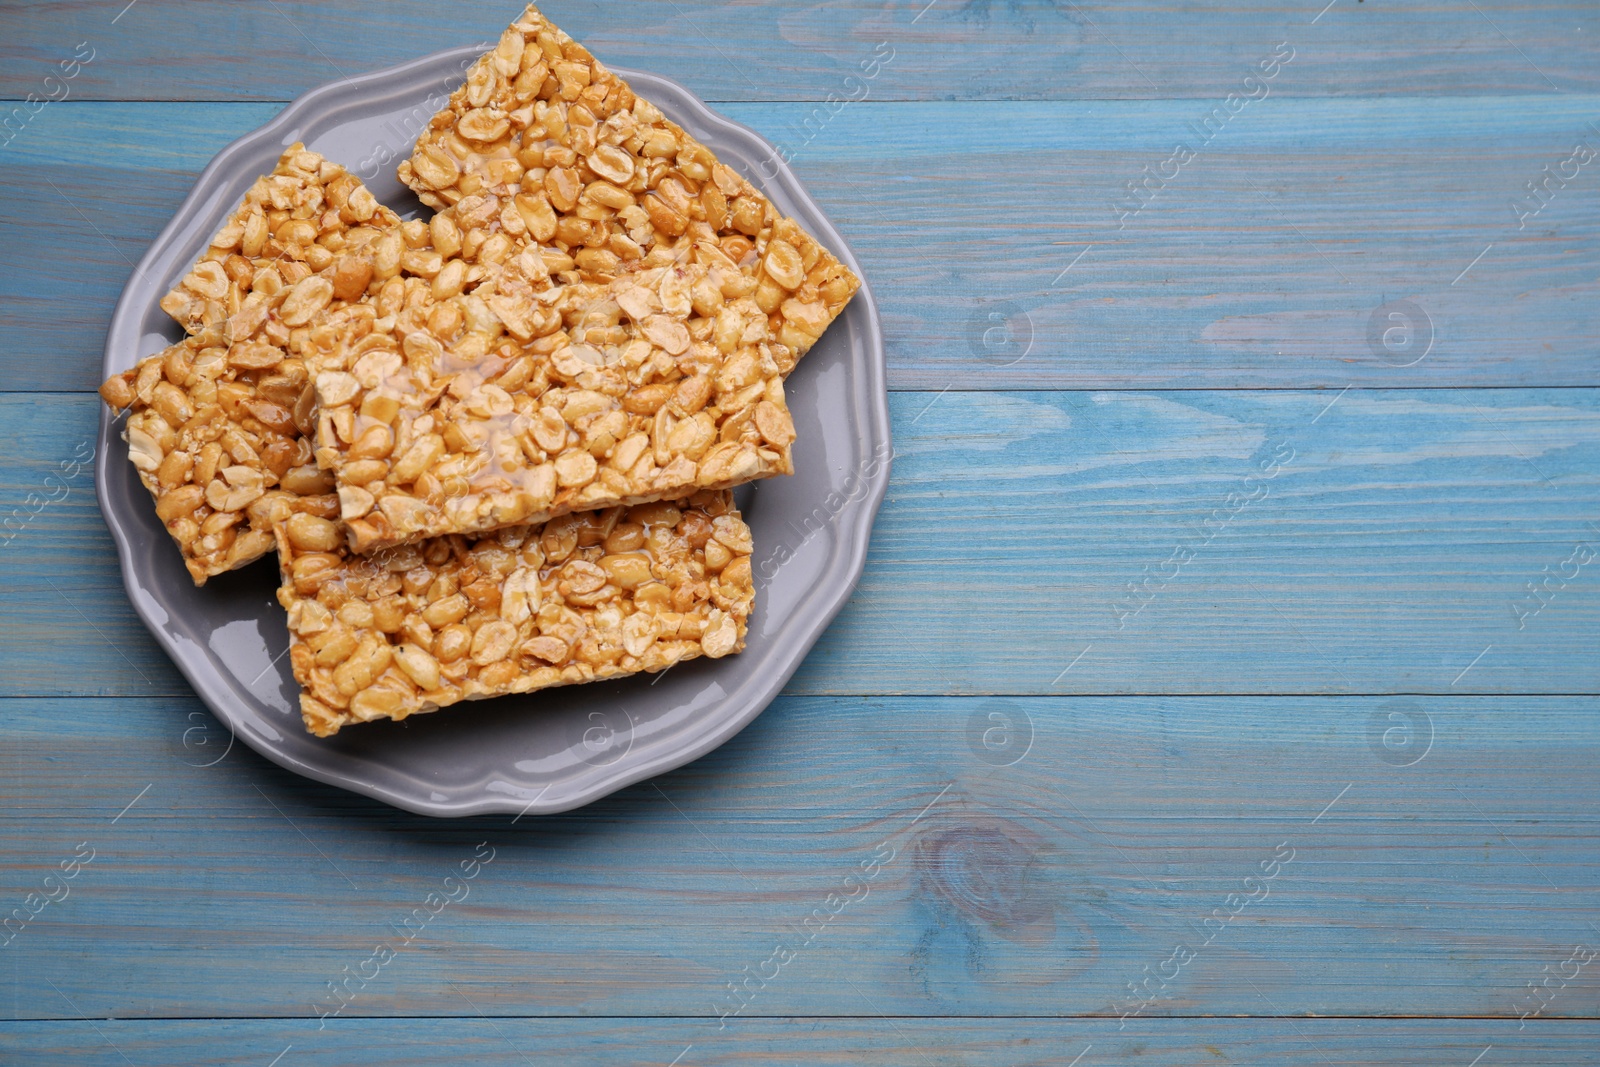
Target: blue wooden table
[{"x": 1222, "y": 684}]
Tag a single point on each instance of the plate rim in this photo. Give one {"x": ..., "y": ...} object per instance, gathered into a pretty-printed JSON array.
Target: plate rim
[{"x": 845, "y": 566}]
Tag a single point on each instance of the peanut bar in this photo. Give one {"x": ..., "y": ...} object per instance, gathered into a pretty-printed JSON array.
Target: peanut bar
[
  {"x": 585, "y": 597},
  {"x": 527, "y": 399},
  {"x": 543, "y": 145},
  {"x": 220, "y": 421}
]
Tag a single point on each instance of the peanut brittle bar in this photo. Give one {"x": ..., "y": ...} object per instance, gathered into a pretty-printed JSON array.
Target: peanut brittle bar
[
  {"x": 287, "y": 252},
  {"x": 585, "y": 597},
  {"x": 442, "y": 412},
  {"x": 543, "y": 145},
  {"x": 216, "y": 434},
  {"x": 220, "y": 424}
]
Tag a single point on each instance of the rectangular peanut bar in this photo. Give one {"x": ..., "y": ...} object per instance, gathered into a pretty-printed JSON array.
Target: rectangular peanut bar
[
  {"x": 527, "y": 399},
  {"x": 544, "y": 146},
  {"x": 213, "y": 435},
  {"x": 217, "y": 426},
  {"x": 585, "y": 597}
]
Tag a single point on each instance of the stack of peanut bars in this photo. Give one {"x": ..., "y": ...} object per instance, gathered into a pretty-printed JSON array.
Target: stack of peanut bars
[{"x": 492, "y": 450}]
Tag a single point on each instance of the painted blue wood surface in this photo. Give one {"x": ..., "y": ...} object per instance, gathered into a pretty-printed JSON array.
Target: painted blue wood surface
[
  {"x": 863, "y": 1041},
  {"x": 1034, "y": 872},
  {"x": 944, "y": 49},
  {"x": 1213, "y": 602}
]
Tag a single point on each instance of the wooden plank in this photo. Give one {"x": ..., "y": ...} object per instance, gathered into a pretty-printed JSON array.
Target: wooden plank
[
  {"x": 869, "y": 1041},
  {"x": 1039, "y": 888},
  {"x": 947, "y": 49},
  {"x": 1152, "y": 535},
  {"x": 1389, "y": 551},
  {"x": 1262, "y": 264}
]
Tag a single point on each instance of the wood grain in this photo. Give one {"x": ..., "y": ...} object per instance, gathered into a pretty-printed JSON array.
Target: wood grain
[
  {"x": 864, "y": 1041},
  {"x": 1261, "y": 265},
  {"x": 947, "y": 49},
  {"x": 1392, "y": 548}
]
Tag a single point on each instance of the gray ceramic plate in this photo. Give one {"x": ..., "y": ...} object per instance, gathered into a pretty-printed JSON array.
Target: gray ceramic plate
[{"x": 562, "y": 748}]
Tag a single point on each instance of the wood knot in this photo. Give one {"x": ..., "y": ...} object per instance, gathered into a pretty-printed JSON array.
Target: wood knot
[{"x": 985, "y": 870}]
